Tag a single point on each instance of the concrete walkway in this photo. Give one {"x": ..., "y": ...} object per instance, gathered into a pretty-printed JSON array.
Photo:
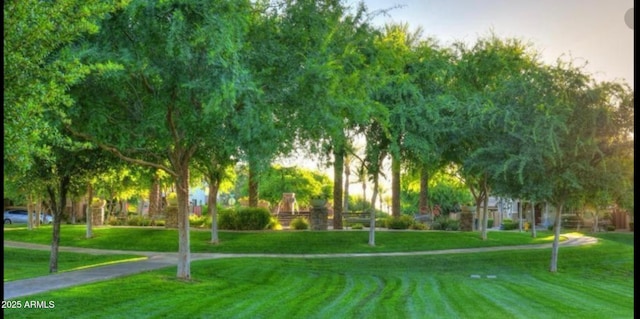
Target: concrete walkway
[{"x": 156, "y": 260}]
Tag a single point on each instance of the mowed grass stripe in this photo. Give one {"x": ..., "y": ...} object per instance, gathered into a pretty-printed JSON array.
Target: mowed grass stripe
[{"x": 461, "y": 292}]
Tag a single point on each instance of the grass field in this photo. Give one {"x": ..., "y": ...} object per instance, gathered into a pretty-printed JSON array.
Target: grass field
[{"x": 594, "y": 281}]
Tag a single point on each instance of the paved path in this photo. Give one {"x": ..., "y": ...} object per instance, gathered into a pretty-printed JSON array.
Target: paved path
[{"x": 156, "y": 260}]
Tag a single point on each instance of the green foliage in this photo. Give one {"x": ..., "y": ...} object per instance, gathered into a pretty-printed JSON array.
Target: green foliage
[
  {"x": 508, "y": 224},
  {"x": 38, "y": 70},
  {"x": 445, "y": 190},
  {"x": 401, "y": 222},
  {"x": 114, "y": 221},
  {"x": 445, "y": 223},
  {"x": 419, "y": 226},
  {"x": 299, "y": 223},
  {"x": 199, "y": 221},
  {"x": 274, "y": 224},
  {"x": 138, "y": 221},
  {"x": 244, "y": 218},
  {"x": 278, "y": 180}
]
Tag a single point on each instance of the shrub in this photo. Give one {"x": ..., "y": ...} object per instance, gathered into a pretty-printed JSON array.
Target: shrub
[
  {"x": 419, "y": 226},
  {"x": 508, "y": 224},
  {"x": 274, "y": 224},
  {"x": 244, "y": 218},
  {"x": 445, "y": 223},
  {"x": 402, "y": 222},
  {"x": 138, "y": 221},
  {"x": 199, "y": 221},
  {"x": 357, "y": 226},
  {"x": 299, "y": 223},
  {"x": 611, "y": 227},
  {"x": 113, "y": 221}
]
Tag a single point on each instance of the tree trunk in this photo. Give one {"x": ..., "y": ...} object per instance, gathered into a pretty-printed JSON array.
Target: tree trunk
[
  {"x": 372, "y": 223},
  {"x": 485, "y": 212},
  {"x": 182, "y": 192},
  {"x": 253, "y": 186},
  {"x": 39, "y": 213},
  {"x": 347, "y": 172},
  {"x": 338, "y": 167},
  {"x": 89, "y": 212},
  {"x": 364, "y": 193},
  {"x": 374, "y": 194},
  {"x": 520, "y": 216},
  {"x": 155, "y": 200},
  {"x": 30, "y": 212},
  {"x": 424, "y": 191},
  {"x": 58, "y": 206},
  {"x": 395, "y": 186},
  {"x": 212, "y": 203},
  {"x": 553, "y": 267},
  {"x": 372, "y": 227},
  {"x": 533, "y": 219}
]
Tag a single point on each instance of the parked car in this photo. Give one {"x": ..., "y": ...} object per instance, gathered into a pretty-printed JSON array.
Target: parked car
[{"x": 19, "y": 216}]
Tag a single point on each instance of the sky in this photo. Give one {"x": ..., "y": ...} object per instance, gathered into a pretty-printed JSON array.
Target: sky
[{"x": 584, "y": 31}]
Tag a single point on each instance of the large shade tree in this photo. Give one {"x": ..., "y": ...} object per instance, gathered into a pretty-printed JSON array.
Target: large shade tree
[
  {"x": 331, "y": 80},
  {"x": 399, "y": 94},
  {"x": 486, "y": 73},
  {"x": 180, "y": 74}
]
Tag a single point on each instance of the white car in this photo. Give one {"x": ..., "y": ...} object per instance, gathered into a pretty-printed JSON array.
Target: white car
[{"x": 19, "y": 216}]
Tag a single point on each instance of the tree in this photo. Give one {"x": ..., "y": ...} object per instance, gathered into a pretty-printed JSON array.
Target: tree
[
  {"x": 564, "y": 133},
  {"x": 598, "y": 131},
  {"x": 428, "y": 131},
  {"x": 331, "y": 80},
  {"x": 491, "y": 84},
  {"x": 399, "y": 95},
  {"x": 38, "y": 69},
  {"x": 180, "y": 69}
]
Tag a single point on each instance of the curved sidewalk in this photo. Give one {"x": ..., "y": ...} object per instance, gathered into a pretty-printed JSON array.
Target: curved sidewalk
[{"x": 157, "y": 260}]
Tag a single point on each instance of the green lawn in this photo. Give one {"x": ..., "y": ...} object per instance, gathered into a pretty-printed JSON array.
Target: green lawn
[
  {"x": 595, "y": 281},
  {"x": 285, "y": 242},
  {"x": 24, "y": 263}
]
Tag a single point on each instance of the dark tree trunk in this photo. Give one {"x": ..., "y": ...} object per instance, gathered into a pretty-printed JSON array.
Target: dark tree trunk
[
  {"x": 253, "y": 186},
  {"x": 155, "y": 200},
  {"x": 395, "y": 186},
  {"x": 424, "y": 191},
  {"x": 212, "y": 202},
  {"x": 58, "y": 206},
  {"x": 338, "y": 167}
]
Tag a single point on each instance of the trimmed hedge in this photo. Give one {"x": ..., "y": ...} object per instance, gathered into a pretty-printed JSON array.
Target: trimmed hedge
[
  {"x": 402, "y": 222},
  {"x": 244, "y": 218}
]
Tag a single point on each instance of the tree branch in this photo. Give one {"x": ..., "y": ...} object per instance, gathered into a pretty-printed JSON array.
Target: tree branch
[{"x": 114, "y": 150}]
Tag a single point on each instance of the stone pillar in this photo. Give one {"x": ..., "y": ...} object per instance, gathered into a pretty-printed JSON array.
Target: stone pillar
[
  {"x": 318, "y": 218},
  {"x": 97, "y": 212},
  {"x": 466, "y": 221}
]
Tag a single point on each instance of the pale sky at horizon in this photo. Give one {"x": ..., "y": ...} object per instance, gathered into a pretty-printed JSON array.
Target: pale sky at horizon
[{"x": 591, "y": 31}]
